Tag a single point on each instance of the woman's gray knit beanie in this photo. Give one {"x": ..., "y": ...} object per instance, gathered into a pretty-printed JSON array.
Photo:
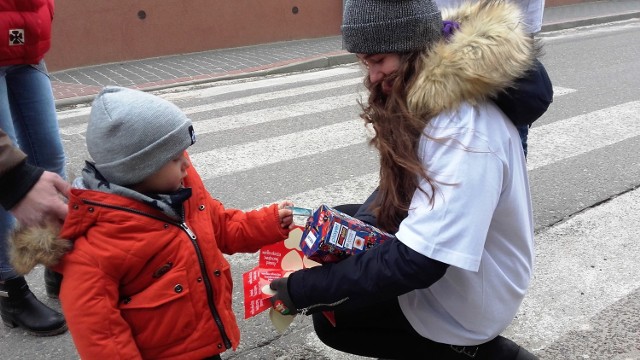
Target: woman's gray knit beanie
[{"x": 390, "y": 26}]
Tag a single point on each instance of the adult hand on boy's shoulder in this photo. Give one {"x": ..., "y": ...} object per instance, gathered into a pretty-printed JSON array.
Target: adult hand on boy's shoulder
[
  {"x": 285, "y": 214},
  {"x": 43, "y": 202}
]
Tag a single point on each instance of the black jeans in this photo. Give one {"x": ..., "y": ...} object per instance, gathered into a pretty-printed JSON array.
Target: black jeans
[
  {"x": 214, "y": 357},
  {"x": 382, "y": 331}
]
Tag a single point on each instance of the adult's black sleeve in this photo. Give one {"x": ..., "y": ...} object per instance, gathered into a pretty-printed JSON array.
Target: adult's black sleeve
[
  {"x": 387, "y": 270},
  {"x": 16, "y": 183}
]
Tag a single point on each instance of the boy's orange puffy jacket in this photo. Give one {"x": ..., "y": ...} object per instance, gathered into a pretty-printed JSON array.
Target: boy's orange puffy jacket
[{"x": 138, "y": 285}]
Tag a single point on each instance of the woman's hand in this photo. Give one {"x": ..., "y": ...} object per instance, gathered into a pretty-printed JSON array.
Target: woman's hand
[{"x": 281, "y": 301}]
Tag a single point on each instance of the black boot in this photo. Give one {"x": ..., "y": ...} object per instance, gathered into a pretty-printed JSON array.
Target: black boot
[
  {"x": 52, "y": 281},
  {"x": 503, "y": 348},
  {"x": 19, "y": 307}
]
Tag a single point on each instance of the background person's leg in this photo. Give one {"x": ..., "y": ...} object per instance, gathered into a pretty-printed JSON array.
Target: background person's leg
[
  {"x": 34, "y": 117},
  {"x": 523, "y": 130},
  {"x": 6, "y": 220},
  {"x": 35, "y": 121},
  {"x": 18, "y": 305}
]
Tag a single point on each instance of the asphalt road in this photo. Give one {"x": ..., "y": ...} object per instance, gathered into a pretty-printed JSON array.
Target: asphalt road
[{"x": 298, "y": 137}]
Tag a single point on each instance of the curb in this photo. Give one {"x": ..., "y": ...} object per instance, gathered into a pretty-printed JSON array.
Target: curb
[
  {"x": 317, "y": 63},
  {"x": 563, "y": 25}
]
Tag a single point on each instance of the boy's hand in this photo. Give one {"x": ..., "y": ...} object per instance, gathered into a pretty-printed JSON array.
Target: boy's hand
[{"x": 286, "y": 215}]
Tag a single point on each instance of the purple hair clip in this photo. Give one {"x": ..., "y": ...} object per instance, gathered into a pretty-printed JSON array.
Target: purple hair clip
[{"x": 448, "y": 28}]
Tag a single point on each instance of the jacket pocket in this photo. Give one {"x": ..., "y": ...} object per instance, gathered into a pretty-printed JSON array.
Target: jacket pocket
[{"x": 162, "y": 313}]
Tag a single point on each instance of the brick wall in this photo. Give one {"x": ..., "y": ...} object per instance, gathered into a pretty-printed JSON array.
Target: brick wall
[
  {"x": 95, "y": 32},
  {"x": 89, "y": 32}
]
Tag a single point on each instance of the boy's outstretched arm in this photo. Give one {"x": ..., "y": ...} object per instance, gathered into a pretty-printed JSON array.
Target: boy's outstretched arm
[{"x": 247, "y": 232}]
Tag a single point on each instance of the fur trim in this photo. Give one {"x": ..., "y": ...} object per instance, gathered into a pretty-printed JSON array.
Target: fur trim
[
  {"x": 35, "y": 245},
  {"x": 489, "y": 51}
]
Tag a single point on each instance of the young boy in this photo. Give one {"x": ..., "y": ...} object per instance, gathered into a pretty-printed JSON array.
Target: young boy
[{"x": 146, "y": 277}]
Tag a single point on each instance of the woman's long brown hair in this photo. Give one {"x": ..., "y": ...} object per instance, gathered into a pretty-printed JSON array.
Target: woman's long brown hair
[{"x": 397, "y": 137}]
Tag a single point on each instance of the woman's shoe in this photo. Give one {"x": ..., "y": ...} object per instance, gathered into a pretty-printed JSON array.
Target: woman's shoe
[
  {"x": 503, "y": 348},
  {"x": 19, "y": 307}
]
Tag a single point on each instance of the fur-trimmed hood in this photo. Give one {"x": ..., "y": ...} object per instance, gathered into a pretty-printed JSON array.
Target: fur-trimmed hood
[
  {"x": 484, "y": 56},
  {"x": 30, "y": 246}
]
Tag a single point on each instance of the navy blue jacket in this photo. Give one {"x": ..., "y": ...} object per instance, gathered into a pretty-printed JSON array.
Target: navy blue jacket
[{"x": 360, "y": 280}]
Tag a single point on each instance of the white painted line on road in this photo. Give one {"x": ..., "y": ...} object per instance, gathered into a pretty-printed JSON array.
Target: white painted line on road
[
  {"x": 239, "y": 120},
  {"x": 262, "y": 116},
  {"x": 580, "y": 134},
  {"x": 589, "y": 30},
  {"x": 352, "y": 191},
  {"x": 560, "y": 91},
  {"x": 69, "y": 114},
  {"x": 582, "y": 266},
  {"x": 231, "y": 159},
  {"x": 310, "y": 89},
  {"x": 547, "y": 144},
  {"x": 222, "y": 88},
  {"x": 243, "y": 85}
]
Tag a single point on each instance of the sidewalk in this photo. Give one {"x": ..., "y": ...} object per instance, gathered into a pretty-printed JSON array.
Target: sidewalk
[{"x": 76, "y": 86}]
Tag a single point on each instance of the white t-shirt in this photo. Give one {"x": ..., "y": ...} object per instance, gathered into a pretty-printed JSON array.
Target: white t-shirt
[
  {"x": 481, "y": 224},
  {"x": 532, "y": 11}
]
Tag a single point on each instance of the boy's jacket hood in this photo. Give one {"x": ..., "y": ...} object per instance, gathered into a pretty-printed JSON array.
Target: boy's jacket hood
[
  {"x": 43, "y": 245},
  {"x": 35, "y": 245},
  {"x": 484, "y": 56}
]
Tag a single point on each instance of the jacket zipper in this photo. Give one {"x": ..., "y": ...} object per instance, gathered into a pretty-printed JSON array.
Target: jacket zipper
[
  {"x": 192, "y": 236},
  {"x": 207, "y": 284},
  {"x": 311, "y": 307}
]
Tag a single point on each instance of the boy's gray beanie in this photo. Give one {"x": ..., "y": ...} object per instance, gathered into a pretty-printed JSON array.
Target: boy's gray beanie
[
  {"x": 132, "y": 134},
  {"x": 390, "y": 26}
]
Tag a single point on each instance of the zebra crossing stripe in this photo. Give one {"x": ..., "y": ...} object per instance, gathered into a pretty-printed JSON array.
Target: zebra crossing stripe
[
  {"x": 560, "y": 91},
  {"x": 245, "y": 100},
  {"x": 310, "y": 89},
  {"x": 547, "y": 144},
  {"x": 227, "y": 160},
  {"x": 224, "y": 87},
  {"x": 577, "y": 135},
  {"x": 573, "y": 282},
  {"x": 261, "y": 116}
]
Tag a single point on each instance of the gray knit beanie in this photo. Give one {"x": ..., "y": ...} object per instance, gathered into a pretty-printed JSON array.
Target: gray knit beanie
[
  {"x": 132, "y": 134},
  {"x": 390, "y": 26}
]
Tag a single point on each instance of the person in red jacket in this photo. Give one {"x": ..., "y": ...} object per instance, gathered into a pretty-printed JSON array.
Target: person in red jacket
[
  {"x": 28, "y": 118},
  {"x": 146, "y": 277}
]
